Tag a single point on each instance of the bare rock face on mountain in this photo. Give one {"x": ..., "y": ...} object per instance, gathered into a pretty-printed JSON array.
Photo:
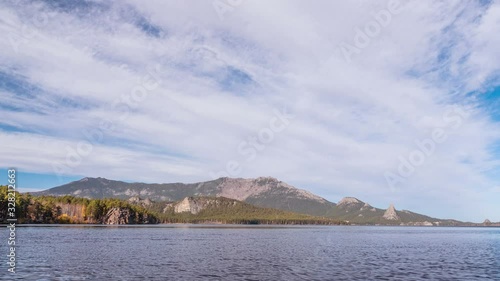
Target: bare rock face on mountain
[
  {"x": 141, "y": 202},
  {"x": 390, "y": 214},
  {"x": 348, "y": 201},
  {"x": 242, "y": 189},
  {"x": 367, "y": 206},
  {"x": 350, "y": 205},
  {"x": 195, "y": 205},
  {"x": 272, "y": 193},
  {"x": 192, "y": 205}
]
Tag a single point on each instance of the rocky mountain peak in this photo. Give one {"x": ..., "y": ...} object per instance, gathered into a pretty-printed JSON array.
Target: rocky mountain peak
[
  {"x": 94, "y": 180},
  {"x": 348, "y": 201},
  {"x": 269, "y": 179},
  {"x": 391, "y": 214},
  {"x": 242, "y": 189}
]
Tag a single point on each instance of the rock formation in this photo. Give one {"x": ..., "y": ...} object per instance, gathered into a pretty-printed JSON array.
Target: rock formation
[
  {"x": 141, "y": 202},
  {"x": 126, "y": 216},
  {"x": 390, "y": 214},
  {"x": 118, "y": 216},
  {"x": 194, "y": 205},
  {"x": 191, "y": 205}
]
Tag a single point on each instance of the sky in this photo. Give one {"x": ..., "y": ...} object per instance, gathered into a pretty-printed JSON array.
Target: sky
[{"x": 387, "y": 101}]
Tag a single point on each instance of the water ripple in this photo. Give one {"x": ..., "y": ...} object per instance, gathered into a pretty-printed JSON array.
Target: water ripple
[{"x": 255, "y": 253}]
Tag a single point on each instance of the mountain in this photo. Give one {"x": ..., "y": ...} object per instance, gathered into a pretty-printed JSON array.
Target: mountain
[
  {"x": 265, "y": 192},
  {"x": 356, "y": 211},
  {"x": 70, "y": 209},
  {"x": 487, "y": 222}
]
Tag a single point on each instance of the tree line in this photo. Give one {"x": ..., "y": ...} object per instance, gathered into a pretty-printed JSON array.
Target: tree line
[{"x": 48, "y": 209}]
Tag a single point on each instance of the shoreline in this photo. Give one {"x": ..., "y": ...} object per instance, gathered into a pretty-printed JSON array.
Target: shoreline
[{"x": 222, "y": 225}]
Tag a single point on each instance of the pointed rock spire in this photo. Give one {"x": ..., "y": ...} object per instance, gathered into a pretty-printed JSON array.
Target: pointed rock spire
[{"x": 390, "y": 213}]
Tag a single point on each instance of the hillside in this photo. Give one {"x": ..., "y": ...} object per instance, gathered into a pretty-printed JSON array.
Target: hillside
[
  {"x": 225, "y": 210},
  {"x": 356, "y": 211}
]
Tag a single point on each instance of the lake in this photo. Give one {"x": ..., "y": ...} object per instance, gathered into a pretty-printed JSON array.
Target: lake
[{"x": 226, "y": 252}]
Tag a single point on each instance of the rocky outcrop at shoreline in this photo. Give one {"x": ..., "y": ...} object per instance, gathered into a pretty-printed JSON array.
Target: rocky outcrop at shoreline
[{"x": 126, "y": 216}]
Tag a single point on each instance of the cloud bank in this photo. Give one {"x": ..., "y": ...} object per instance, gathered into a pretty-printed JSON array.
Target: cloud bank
[{"x": 331, "y": 97}]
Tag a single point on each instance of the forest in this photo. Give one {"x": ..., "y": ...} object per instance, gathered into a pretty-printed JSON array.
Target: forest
[{"x": 63, "y": 209}]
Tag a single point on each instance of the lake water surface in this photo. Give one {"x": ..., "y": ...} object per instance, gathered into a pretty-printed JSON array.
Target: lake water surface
[{"x": 200, "y": 252}]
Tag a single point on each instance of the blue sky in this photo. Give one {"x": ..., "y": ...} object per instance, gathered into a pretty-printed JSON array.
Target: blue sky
[
  {"x": 26, "y": 181},
  {"x": 335, "y": 98}
]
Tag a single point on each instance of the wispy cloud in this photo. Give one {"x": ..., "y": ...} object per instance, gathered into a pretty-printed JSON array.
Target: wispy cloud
[{"x": 67, "y": 67}]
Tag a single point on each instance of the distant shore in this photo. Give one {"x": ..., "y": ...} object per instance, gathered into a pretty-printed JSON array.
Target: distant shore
[{"x": 216, "y": 224}]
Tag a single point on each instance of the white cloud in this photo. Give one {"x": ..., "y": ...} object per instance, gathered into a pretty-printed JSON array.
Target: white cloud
[{"x": 221, "y": 81}]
